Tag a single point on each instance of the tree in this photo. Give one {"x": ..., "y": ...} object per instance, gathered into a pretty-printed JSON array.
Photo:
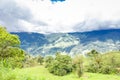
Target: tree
[
  {"x": 111, "y": 62},
  {"x": 7, "y": 39},
  {"x": 30, "y": 61},
  {"x": 78, "y": 65},
  {"x": 92, "y": 53},
  {"x": 9, "y": 48},
  {"x": 61, "y": 65},
  {"x": 96, "y": 61},
  {"x": 40, "y": 59},
  {"x": 103, "y": 63},
  {"x": 48, "y": 61}
]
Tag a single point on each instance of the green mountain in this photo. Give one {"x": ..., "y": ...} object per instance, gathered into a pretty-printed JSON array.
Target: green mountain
[{"x": 70, "y": 43}]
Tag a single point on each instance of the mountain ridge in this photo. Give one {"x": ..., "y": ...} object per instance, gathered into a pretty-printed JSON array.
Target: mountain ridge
[{"x": 70, "y": 43}]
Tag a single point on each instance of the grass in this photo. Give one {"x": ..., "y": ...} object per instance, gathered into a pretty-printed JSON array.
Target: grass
[{"x": 41, "y": 73}]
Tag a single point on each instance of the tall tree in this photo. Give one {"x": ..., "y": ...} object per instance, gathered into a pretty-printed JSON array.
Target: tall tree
[{"x": 9, "y": 47}]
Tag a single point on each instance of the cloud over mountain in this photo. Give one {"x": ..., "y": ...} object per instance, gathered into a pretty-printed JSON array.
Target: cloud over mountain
[{"x": 69, "y": 16}]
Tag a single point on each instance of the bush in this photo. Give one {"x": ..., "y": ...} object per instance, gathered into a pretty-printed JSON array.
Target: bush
[
  {"x": 57, "y": 68},
  {"x": 40, "y": 59},
  {"x": 48, "y": 60},
  {"x": 105, "y": 63},
  {"x": 93, "y": 68},
  {"x": 61, "y": 66},
  {"x": 30, "y": 61},
  {"x": 78, "y": 65},
  {"x": 106, "y": 69}
]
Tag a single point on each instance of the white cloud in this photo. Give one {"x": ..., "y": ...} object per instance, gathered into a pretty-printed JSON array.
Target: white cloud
[{"x": 66, "y": 16}]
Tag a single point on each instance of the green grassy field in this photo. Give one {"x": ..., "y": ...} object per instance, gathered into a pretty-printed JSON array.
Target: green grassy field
[{"x": 41, "y": 73}]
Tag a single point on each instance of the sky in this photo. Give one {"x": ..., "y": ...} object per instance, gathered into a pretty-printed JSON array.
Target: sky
[{"x": 44, "y": 16}]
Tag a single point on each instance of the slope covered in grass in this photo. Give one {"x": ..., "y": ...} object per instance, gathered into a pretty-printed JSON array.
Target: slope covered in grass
[{"x": 41, "y": 73}]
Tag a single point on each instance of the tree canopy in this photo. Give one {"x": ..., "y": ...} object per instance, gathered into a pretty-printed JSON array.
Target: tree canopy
[
  {"x": 9, "y": 47},
  {"x": 7, "y": 39}
]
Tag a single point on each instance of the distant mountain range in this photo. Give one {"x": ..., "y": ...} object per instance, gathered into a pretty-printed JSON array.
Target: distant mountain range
[{"x": 70, "y": 43}]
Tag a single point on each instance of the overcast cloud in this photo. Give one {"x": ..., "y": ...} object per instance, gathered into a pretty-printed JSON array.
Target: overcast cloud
[{"x": 43, "y": 16}]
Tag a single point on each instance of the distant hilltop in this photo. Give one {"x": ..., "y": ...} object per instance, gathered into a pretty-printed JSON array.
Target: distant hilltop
[{"x": 70, "y": 43}]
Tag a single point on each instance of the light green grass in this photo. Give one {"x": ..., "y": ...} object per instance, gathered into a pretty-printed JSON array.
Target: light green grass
[{"x": 41, "y": 73}]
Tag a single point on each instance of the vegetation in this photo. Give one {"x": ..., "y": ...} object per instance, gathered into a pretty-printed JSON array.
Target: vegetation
[
  {"x": 40, "y": 59},
  {"x": 78, "y": 65},
  {"x": 10, "y": 53},
  {"x": 95, "y": 63},
  {"x": 41, "y": 73},
  {"x": 107, "y": 63},
  {"x": 59, "y": 67},
  {"x": 48, "y": 61},
  {"x": 30, "y": 61}
]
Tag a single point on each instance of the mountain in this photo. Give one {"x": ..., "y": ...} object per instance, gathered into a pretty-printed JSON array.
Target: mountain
[{"x": 71, "y": 43}]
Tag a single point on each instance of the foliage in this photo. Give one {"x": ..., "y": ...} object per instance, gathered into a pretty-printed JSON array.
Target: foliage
[
  {"x": 61, "y": 66},
  {"x": 7, "y": 39},
  {"x": 111, "y": 62},
  {"x": 41, "y": 73},
  {"x": 48, "y": 60},
  {"x": 78, "y": 65},
  {"x": 10, "y": 53},
  {"x": 95, "y": 61},
  {"x": 40, "y": 59},
  {"x": 105, "y": 63},
  {"x": 92, "y": 53},
  {"x": 57, "y": 69},
  {"x": 30, "y": 61}
]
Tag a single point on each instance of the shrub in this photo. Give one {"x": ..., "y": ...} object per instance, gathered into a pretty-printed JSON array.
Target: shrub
[
  {"x": 106, "y": 69},
  {"x": 78, "y": 65},
  {"x": 61, "y": 66},
  {"x": 30, "y": 61},
  {"x": 48, "y": 60},
  {"x": 40, "y": 59},
  {"x": 104, "y": 63}
]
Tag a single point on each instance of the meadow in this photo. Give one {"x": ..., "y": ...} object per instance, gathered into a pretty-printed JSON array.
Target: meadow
[{"x": 41, "y": 73}]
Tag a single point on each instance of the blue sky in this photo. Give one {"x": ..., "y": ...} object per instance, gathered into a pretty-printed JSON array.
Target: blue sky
[
  {"x": 43, "y": 16},
  {"x": 57, "y": 0}
]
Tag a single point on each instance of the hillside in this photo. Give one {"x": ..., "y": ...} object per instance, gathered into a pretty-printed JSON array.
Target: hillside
[
  {"x": 71, "y": 43},
  {"x": 39, "y": 73}
]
